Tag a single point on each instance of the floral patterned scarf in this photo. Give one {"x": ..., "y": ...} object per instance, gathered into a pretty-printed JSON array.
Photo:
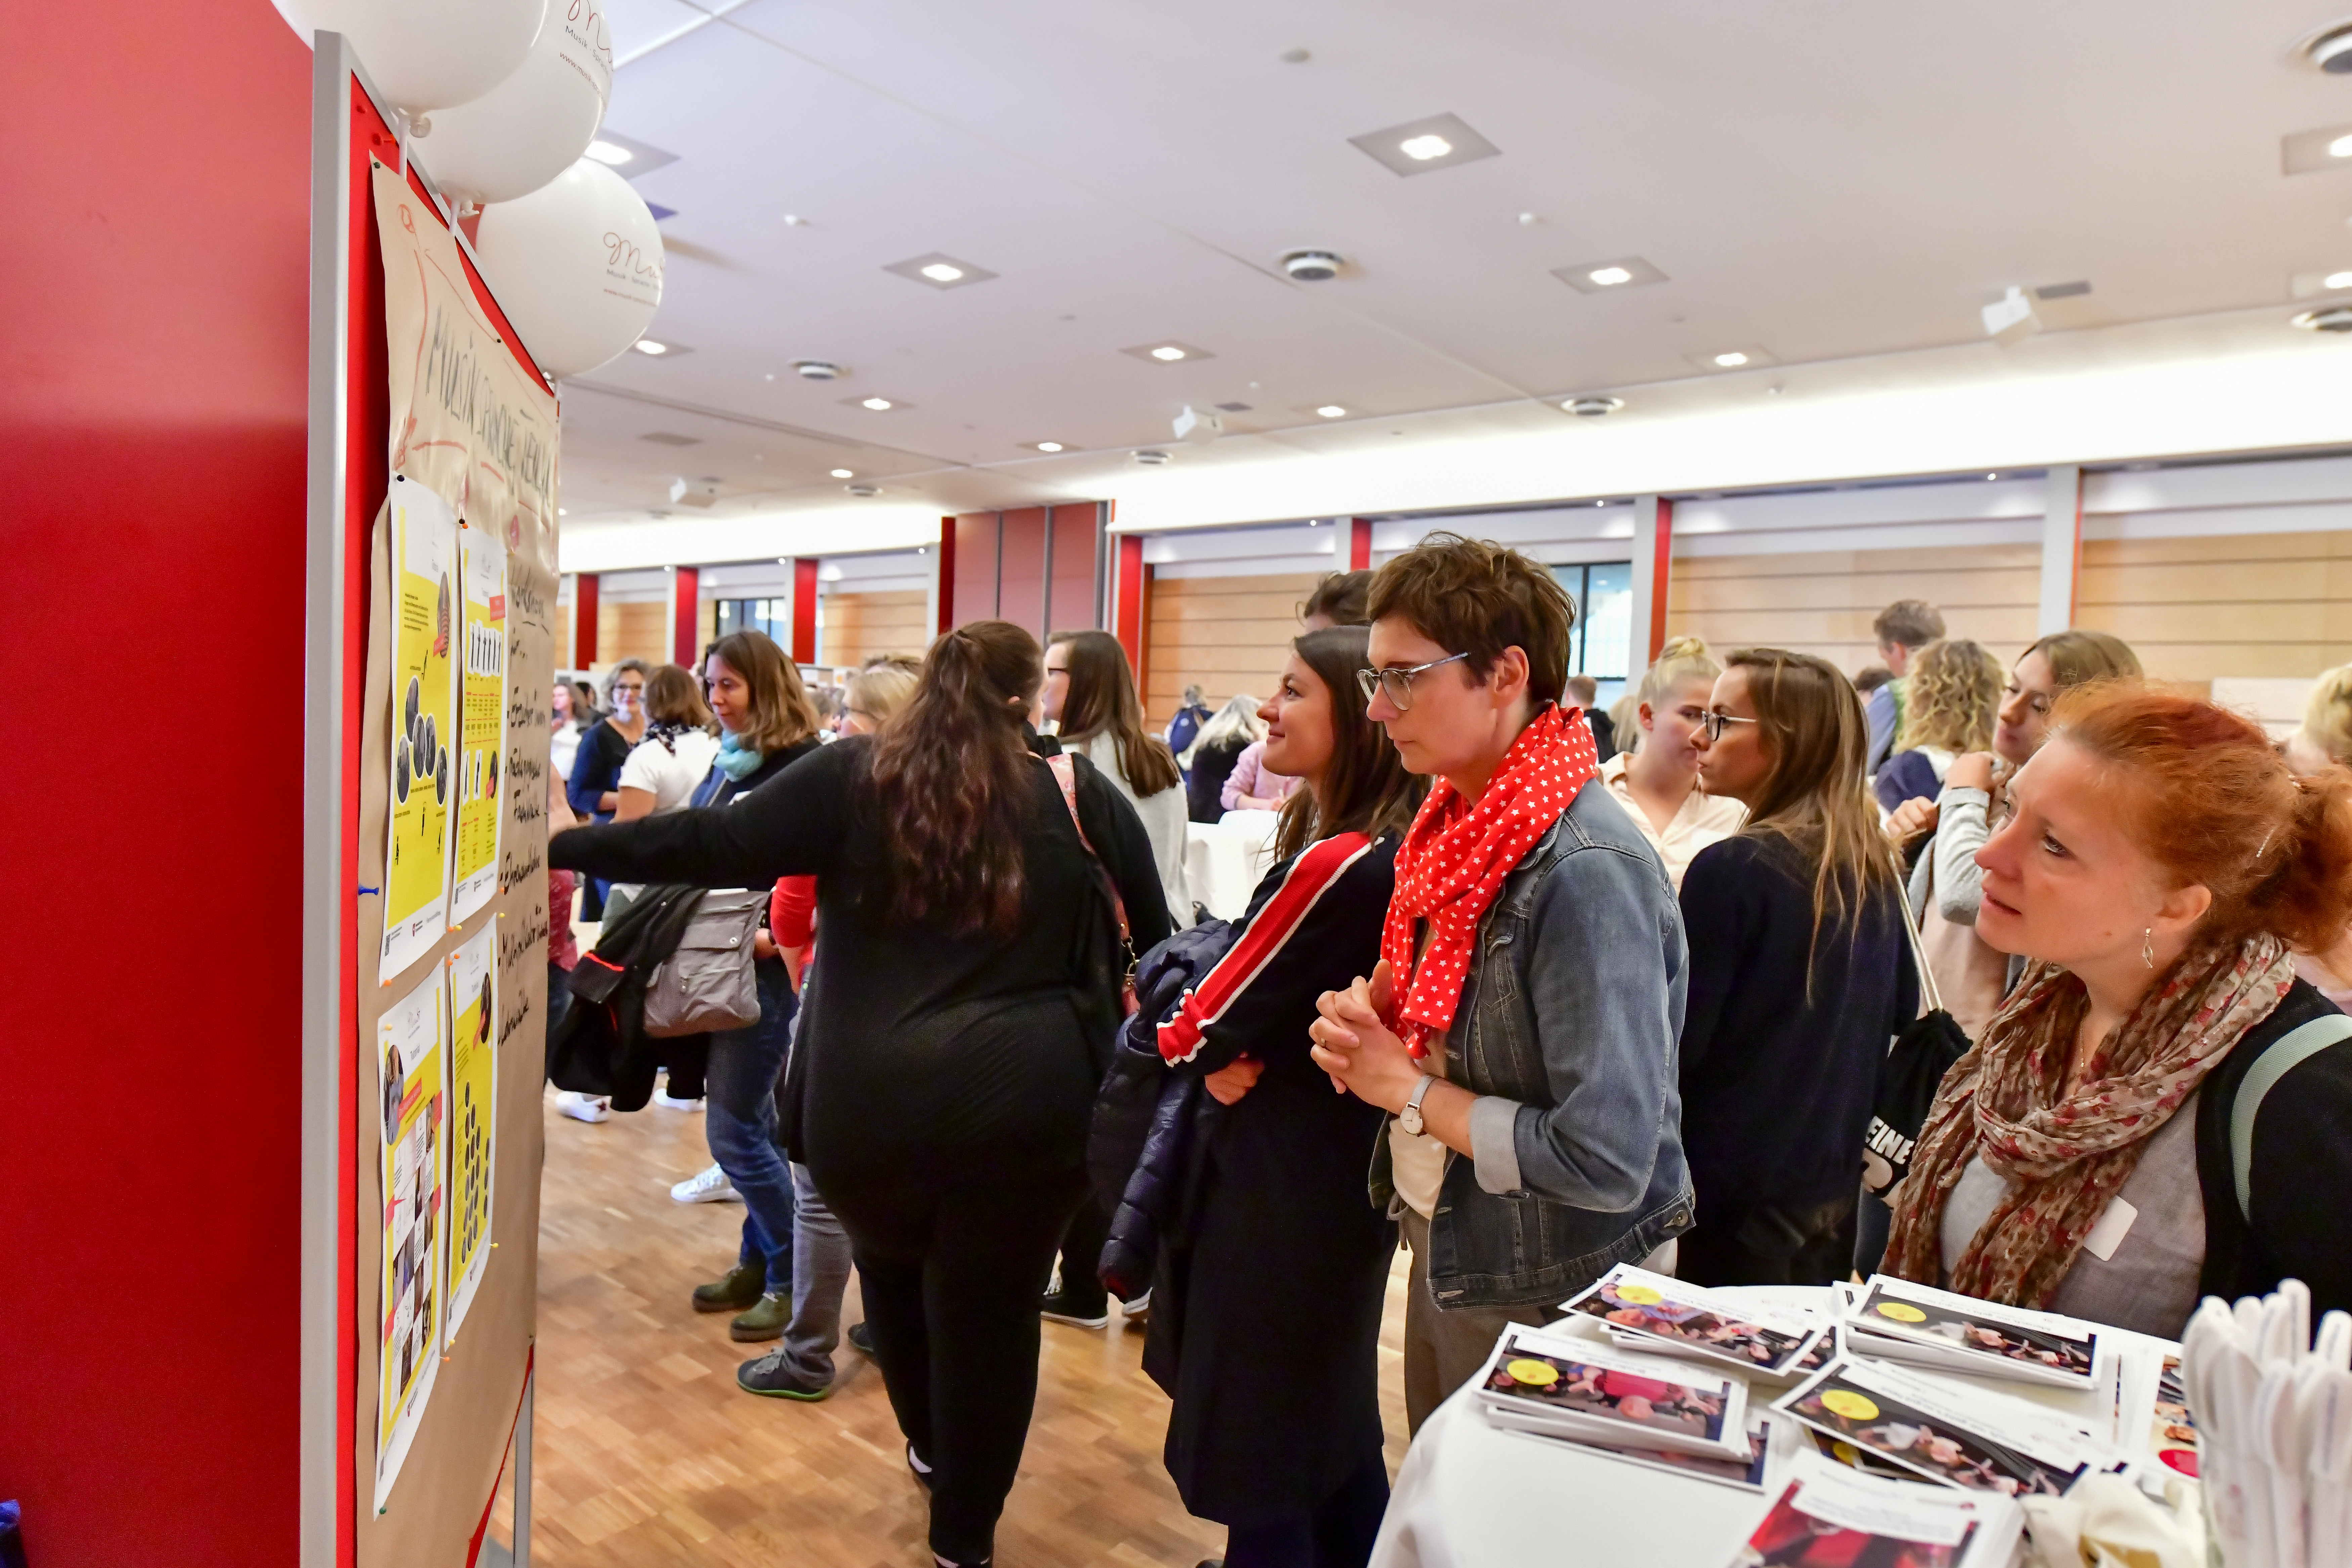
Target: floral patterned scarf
[{"x": 2065, "y": 1157}]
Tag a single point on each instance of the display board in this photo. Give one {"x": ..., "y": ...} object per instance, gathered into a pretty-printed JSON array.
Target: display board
[{"x": 431, "y": 620}]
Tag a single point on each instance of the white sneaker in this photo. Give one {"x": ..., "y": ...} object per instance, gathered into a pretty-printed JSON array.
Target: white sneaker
[
  {"x": 662, "y": 1099},
  {"x": 583, "y": 1107},
  {"x": 709, "y": 1187}
]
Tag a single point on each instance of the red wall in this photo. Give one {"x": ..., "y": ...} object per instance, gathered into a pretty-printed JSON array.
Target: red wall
[
  {"x": 1075, "y": 531},
  {"x": 153, "y": 398},
  {"x": 976, "y": 544},
  {"x": 1022, "y": 597}
]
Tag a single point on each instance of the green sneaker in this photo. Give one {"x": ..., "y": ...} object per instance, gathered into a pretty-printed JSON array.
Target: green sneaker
[
  {"x": 740, "y": 1289},
  {"x": 765, "y": 1321}
]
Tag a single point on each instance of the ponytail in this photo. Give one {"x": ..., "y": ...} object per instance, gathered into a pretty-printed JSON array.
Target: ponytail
[
  {"x": 2308, "y": 900},
  {"x": 950, "y": 778}
]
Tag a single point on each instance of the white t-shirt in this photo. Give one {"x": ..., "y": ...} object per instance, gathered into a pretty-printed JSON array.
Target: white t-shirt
[
  {"x": 1164, "y": 823},
  {"x": 670, "y": 772}
]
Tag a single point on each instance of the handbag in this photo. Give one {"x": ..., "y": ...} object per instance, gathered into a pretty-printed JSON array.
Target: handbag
[
  {"x": 1908, "y": 1081},
  {"x": 707, "y": 982},
  {"x": 1101, "y": 968}
]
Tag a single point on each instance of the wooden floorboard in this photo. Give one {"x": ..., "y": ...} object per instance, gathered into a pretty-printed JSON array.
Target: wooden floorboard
[{"x": 647, "y": 1454}]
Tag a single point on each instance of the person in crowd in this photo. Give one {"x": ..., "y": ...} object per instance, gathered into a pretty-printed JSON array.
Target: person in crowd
[
  {"x": 1090, "y": 696},
  {"x": 766, "y": 724},
  {"x": 1270, "y": 1303},
  {"x": 1584, "y": 691},
  {"x": 1527, "y": 909},
  {"x": 1658, "y": 784},
  {"x": 949, "y": 1077},
  {"x": 1800, "y": 972},
  {"x": 564, "y": 741},
  {"x": 2325, "y": 738},
  {"x": 1254, "y": 786},
  {"x": 1869, "y": 680},
  {"x": 1184, "y": 728},
  {"x": 2146, "y": 1122},
  {"x": 1945, "y": 883},
  {"x": 826, "y": 702},
  {"x": 1902, "y": 628},
  {"x": 873, "y": 694},
  {"x": 1339, "y": 600},
  {"x": 595, "y": 777},
  {"x": 676, "y": 754},
  {"x": 1623, "y": 728},
  {"x": 1235, "y": 728},
  {"x": 1949, "y": 702}
]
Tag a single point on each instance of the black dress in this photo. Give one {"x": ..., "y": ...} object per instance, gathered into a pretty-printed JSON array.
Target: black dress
[
  {"x": 1265, "y": 1319},
  {"x": 1213, "y": 765}
]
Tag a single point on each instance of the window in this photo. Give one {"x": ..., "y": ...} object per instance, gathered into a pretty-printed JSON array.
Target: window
[
  {"x": 1601, "y": 643},
  {"x": 773, "y": 617}
]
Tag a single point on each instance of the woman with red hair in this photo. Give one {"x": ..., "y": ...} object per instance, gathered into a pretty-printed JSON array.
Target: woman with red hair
[{"x": 2161, "y": 1111}]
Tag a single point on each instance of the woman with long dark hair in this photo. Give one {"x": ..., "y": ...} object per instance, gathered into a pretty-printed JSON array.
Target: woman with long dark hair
[
  {"x": 1267, "y": 1318},
  {"x": 949, "y": 1076},
  {"x": 1800, "y": 973},
  {"x": 1090, "y": 696}
]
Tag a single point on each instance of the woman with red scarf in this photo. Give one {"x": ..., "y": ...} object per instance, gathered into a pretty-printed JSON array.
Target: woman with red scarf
[{"x": 1521, "y": 1025}]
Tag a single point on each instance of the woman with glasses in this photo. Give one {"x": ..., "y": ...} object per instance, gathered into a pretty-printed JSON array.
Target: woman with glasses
[
  {"x": 594, "y": 789},
  {"x": 1800, "y": 973},
  {"x": 1657, "y": 783}
]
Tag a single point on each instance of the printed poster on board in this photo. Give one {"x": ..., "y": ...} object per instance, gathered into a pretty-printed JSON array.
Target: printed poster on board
[
  {"x": 482, "y": 717},
  {"x": 408, "y": 1055},
  {"x": 473, "y": 1088},
  {"x": 425, "y": 738}
]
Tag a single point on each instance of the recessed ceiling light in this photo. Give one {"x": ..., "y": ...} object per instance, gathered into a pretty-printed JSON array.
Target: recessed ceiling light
[
  {"x": 1168, "y": 354},
  {"x": 1168, "y": 350},
  {"x": 1732, "y": 360},
  {"x": 1332, "y": 411},
  {"x": 879, "y": 405},
  {"x": 1992, "y": 476},
  {"x": 610, "y": 153},
  {"x": 2340, "y": 148},
  {"x": 1422, "y": 148},
  {"x": 1608, "y": 272},
  {"x": 1608, "y": 277},
  {"x": 1049, "y": 446},
  {"x": 942, "y": 272},
  {"x": 843, "y": 474},
  {"x": 2336, "y": 280},
  {"x": 648, "y": 346},
  {"x": 561, "y": 512}
]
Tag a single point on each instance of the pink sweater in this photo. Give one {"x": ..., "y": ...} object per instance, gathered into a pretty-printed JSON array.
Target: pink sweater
[{"x": 1250, "y": 777}]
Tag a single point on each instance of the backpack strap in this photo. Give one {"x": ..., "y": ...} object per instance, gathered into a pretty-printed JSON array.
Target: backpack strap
[{"x": 2286, "y": 1053}]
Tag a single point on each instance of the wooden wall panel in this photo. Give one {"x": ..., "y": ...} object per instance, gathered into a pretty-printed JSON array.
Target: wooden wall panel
[
  {"x": 1823, "y": 602},
  {"x": 1225, "y": 634},
  {"x": 564, "y": 637},
  {"x": 632, "y": 631},
  {"x": 859, "y": 625},
  {"x": 2273, "y": 605}
]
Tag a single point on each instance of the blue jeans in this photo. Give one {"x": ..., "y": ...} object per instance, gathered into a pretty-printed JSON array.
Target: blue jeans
[{"x": 738, "y": 1118}]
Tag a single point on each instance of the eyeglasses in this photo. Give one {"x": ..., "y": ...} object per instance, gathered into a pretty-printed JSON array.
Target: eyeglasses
[
  {"x": 1398, "y": 682},
  {"x": 1716, "y": 724}
]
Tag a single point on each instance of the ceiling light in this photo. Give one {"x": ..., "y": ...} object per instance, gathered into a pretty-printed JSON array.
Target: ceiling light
[
  {"x": 942, "y": 272},
  {"x": 1150, "y": 458},
  {"x": 818, "y": 370},
  {"x": 561, "y": 512},
  {"x": 843, "y": 474},
  {"x": 1168, "y": 350},
  {"x": 2336, "y": 318},
  {"x": 1992, "y": 476},
  {"x": 610, "y": 153},
  {"x": 1332, "y": 411},
  {"x": 648, "y": 346},
  {"x": 1168, "y": 354},
  {"x": 1731, "y": 361},
  {"x": 1609, "y": 276},
  {"x": 1421, "y": 149},
  {"x": 2336, "y": 280},
  {"x": 2340, "y": 148},
  {"x": 879, "y": 405},
  {"x": 1049, "y": 446},
  {"x": 1608, "y": 272},
  {"x": 1594, "y": 407},
  {"x": 1423, "y": 146}
]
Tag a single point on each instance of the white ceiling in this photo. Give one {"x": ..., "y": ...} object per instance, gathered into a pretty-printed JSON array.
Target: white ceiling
[{"x": 1818, "y": 180}]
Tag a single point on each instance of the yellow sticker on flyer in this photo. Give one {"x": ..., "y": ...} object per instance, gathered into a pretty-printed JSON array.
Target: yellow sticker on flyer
[
  {"x": 1534, "y": 1373},
  {"x": 1902, "y": 1312},
  {"x": 1639, "y": 1294},
  {"x": 1852, "y": 1405}
]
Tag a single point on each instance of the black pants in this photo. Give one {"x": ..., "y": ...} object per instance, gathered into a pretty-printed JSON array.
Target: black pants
[
  {"x": 1768, "y": 1245},
  {"x": 1338, "y": 1534},
  {"x": 1081, "y": 1244},
  {"x": 952, "y": 1273}
]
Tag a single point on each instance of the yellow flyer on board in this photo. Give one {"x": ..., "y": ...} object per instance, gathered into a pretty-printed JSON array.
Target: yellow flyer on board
[
  {"x": 408, "y": 1055},
  {"x": 482, "y": 717},
  {"x": 424, "y": 704},
  {"x": 473, "y": 1115}
]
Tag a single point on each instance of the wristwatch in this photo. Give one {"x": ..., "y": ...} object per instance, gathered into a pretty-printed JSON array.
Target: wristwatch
[{"x": 1409, "y": 1117}]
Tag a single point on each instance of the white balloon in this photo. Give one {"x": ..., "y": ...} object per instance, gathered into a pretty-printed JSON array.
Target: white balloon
[
  {"x": 533, "y": 125},
  {"x": 576, "y": 265},
  {"x": 426, "y": 53}
]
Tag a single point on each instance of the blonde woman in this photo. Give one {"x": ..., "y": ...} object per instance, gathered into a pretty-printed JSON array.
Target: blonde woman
[
  {"x": 1949, "y": 701},
  {"x": 1220, "y": 746},
  {"x": 2326, "y": 737},
  {"x": 1658, "y": 783}
]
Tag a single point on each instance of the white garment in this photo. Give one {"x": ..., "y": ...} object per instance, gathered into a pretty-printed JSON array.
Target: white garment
[
  {"x": 1703, "y": 819},
  {"x": 669, "y": 771},
  {"x": 1417, "y": 1163},
  {"x": 1164, "y": 819},
  {"x": 562, "y": 747}
]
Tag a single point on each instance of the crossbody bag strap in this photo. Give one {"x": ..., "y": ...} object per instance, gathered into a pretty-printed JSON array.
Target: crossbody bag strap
[
  {"x": 1931, "y": 1000},
  {"x": 2287, "y": 1053},
  {"x": 1066, "y": 775}
]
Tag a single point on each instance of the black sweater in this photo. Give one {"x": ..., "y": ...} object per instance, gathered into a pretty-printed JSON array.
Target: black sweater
[
  {"x": 926, "y": 1043},
  {"x": 1777, "y": 1082}
]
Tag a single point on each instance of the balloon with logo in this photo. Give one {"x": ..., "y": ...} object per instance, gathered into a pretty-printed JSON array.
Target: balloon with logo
[
  {"x": 427, "y": 54},
  {"x": 576, "y": 265},
  {"x": 533, "y": 125}
]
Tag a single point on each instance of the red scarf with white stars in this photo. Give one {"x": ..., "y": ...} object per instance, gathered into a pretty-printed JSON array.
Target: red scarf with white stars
[{"x": 1454, "y": 858}]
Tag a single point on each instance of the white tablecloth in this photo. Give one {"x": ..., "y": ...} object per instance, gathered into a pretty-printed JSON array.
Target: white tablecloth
[{"x": 1224, "y": 861}]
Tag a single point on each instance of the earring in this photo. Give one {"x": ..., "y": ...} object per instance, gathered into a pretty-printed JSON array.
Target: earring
[{"x": 2148, "y": 947}]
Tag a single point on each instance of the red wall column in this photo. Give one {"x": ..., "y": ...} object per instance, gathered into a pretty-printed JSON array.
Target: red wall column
[
  {"x": 947, "y": 577},
  {"x": 1127, "y": 600},
  {"x": 584, "y": 620},
  {"x": 803, "y": 648},
  {"x": 1662, "y": 570},
  {"x": 1359, "y": 544},
  {"x": 686, "y": 615}
]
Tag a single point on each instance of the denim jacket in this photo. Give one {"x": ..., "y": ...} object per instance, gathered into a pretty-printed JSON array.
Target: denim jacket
[{"x": 1568, "y": 1030}]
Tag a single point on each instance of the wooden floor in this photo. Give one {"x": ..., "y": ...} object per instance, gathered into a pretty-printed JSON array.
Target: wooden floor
[{"x": 648, "y": 1454}]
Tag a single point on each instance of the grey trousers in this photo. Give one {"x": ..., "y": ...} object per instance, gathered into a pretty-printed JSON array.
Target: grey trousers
[{"x": 820, "y": 1278}]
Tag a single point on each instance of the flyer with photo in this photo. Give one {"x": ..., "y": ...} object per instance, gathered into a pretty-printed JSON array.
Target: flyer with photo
[
  {"x": 1904, "y": 1321},
  {"x": 1746, "y": 1474},
  {"x": 408, "y": 1053},
  {"x": 1831, "y": 1518},
  {"x": 473, "y": 1092},
  {"x": 481, "y": 719},
  {"x": 1962, "y": 1437},
  {"x": 415, "y": 889},
  {"x": 1664, "y": 1315},
  {"x": 1588, "y": 1390}
]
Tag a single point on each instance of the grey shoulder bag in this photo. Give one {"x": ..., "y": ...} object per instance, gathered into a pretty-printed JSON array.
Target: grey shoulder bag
[{"x": 705, "y": 983}]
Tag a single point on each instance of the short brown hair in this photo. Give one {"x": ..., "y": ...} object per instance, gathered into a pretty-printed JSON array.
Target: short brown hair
[
  {"x": 1339, "y": 598},
  {"x": 1910, "y": 623},
  {"x": 674, "y": 697},
  {"x": 1473, "y": 596}
]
